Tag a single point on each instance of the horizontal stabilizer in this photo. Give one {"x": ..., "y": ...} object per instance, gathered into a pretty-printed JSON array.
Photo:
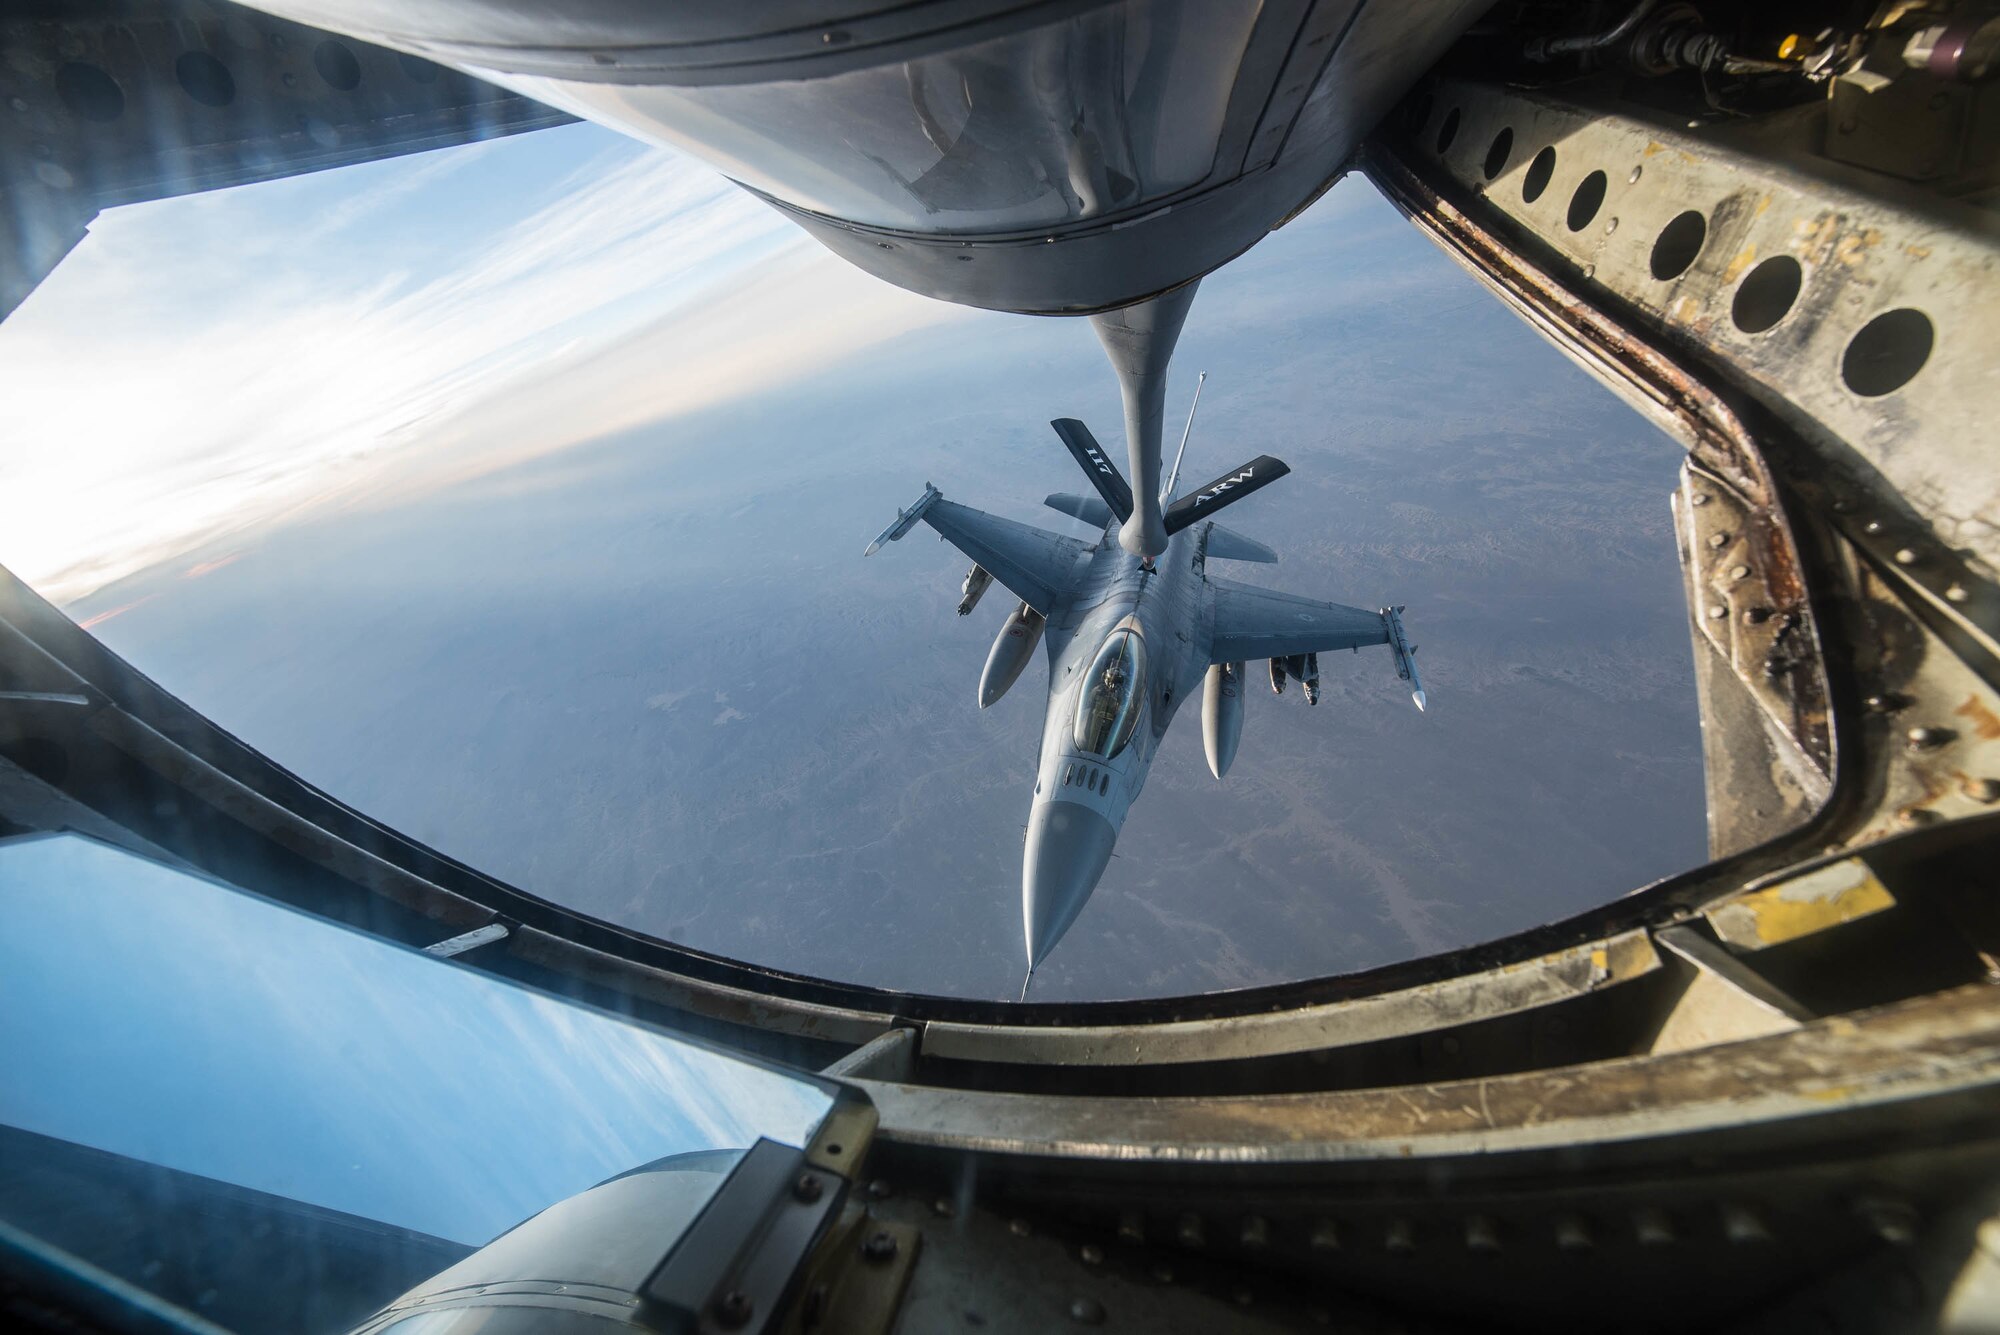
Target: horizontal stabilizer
[
  {"x": 1087, "y": 508},
  {"x": 1233, "y": 546},
  {"x": 1096, "y": 466},
  {"x": 1232, "y": 486}
]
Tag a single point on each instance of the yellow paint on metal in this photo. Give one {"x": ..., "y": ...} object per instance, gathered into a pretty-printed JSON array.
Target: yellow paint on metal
[
  {"x": 1853, "y": 247},
  {"x": 1744, "y": 259},
  {"x": 1827, "y": 897},
  {"x": 1631, "y": 954}
]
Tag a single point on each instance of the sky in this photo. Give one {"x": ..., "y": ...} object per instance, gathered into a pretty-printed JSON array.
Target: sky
[
  {"x": 168, "y": 1018},
  {"x": 206, "y": 364}
]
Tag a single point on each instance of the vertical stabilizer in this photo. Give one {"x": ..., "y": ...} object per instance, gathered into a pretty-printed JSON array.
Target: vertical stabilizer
[{"x": 1140, "y": 341}]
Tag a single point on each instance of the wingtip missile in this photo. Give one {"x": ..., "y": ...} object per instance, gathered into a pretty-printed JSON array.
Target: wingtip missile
[
  {"x": 1406, "y": 655},
  {"x": 905, "y": 520}
]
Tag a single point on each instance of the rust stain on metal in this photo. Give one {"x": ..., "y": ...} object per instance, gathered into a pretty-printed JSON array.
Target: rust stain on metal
[
  {"x": 1715, "y": 433},
  {"x": 1984, "y": 723}
]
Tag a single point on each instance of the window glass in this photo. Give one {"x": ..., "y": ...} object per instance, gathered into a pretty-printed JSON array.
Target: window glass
[
  {"x": 522, "y": 561},
  {"x": 180, "y": 1053}
]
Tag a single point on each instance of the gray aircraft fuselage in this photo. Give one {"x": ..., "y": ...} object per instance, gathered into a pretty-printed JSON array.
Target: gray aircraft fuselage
[
  {"x": 1129, "y": 639},
  {"x": 1081, "y": 796}
]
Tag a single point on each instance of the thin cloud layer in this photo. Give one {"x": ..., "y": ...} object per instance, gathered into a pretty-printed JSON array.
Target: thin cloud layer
[{"x": 201, "y": 366}]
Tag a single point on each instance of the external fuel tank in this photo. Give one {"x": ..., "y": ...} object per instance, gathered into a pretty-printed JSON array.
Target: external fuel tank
[
  {"x": 1012, "y": 648},
  {"x": 1222, "y": 715}
]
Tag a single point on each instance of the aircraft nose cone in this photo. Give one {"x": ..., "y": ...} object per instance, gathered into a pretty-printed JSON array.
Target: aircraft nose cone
[{"x": 1069, "y": 846}]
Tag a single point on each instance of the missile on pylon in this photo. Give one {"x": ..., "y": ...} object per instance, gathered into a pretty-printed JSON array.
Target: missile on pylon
[
  {"x": 1012, "y": 648},
  {"x": 1222, "y": 715},
  {"x": 1301, "y": 668}
]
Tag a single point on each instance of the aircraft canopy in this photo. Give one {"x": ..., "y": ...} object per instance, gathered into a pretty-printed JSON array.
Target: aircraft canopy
[{"x": 1107, "y": 708}]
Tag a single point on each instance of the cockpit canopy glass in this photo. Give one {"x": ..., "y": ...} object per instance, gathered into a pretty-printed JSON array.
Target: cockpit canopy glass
[{"x": 1107, "y": 709}]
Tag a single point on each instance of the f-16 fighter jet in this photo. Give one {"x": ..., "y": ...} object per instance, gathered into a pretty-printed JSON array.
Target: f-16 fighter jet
[{"x": 1130, "y": 639}]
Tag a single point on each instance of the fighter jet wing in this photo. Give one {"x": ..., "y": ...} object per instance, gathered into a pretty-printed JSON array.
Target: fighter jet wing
[
  {"x": 1261, "y": 623},
  {"x": 1039, "y": 566}
]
